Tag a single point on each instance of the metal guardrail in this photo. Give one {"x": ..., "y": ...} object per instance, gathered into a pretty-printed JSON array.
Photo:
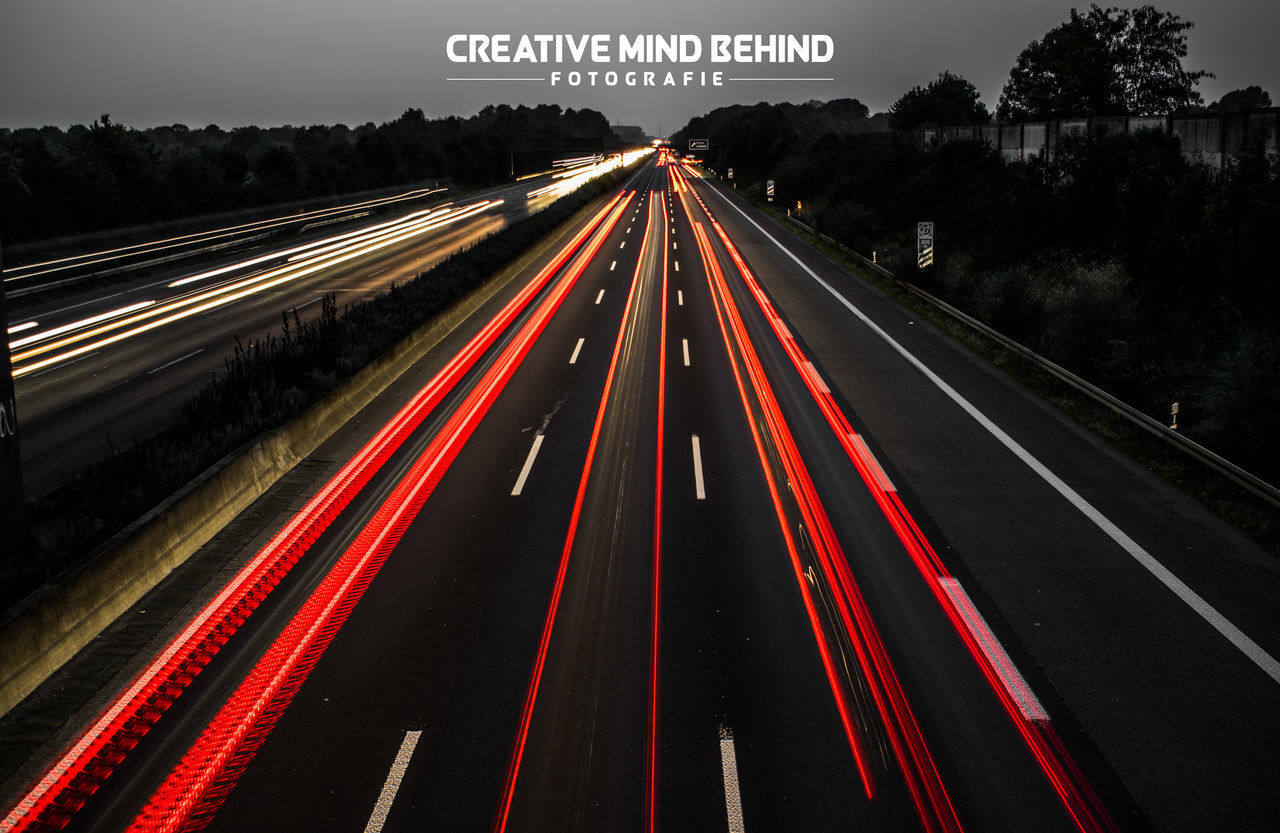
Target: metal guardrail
[{"x": 1230, "y": 470}]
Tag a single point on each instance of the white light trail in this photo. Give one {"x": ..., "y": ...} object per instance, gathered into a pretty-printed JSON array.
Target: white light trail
[
  {"x": 76, "y": 325},
  {"x": 233, "y": 291}
]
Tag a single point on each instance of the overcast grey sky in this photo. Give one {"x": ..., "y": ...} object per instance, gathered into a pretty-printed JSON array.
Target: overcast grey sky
[{"x": 271, "y": 62}]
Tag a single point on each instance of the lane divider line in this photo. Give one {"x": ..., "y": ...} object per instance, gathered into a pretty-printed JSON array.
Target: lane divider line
[
  {"x": 699, "y": 487},
  {"x": 684, "y": 343},
  {"x": 382, "y": 808},
  {"x": 817, "y": 379},
  {"x": 732, "y": 792},
  {"x": 600, "y": 297},
  {"x": 175, "y": 361},
  {"x": 576, "y": 350},
  {"x": 528, "y": 465},
  {"x": 877, "y": 471},
  {"x": 1013, "y": 681}
]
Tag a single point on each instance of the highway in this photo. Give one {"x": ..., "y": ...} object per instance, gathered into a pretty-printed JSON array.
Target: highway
[
  {"x": 692, "y": 530},
  {"x": 104, "y": 366}
]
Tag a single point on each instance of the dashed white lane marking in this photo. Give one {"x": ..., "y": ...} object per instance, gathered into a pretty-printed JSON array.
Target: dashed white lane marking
[
  {"x": 629, "y": 228},
  {"x": 817, "y": 380},
  {"x": 576, "y": 350},
  {"x": 684, "y": 342},
  {"x": 1269, "y": 665},
  {"x": 676, "y": 263},
  {"x": 622, "y": 245},
  {"x": 675, "y": 245},
  {"x": 175, "y": 361},
  {"x": 600, "y": 297},
  {"x": 732, "y": 794},
  {"x": 1013, "y": 681},
  {"x": 528, "y": 465},
  {"x": 876, "y": 469},
  {"x": 612, "y": 265},
  {"x": 680, "y": 297},
  {"x": 392, "y": 785},
  {"x": 65, "y": 364},
  {"x": 699, "y": 487}
]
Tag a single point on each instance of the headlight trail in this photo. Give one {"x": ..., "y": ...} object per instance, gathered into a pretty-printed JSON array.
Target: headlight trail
[
  {"x": 222, "y": 270},
  {"x": 186, "y": 306},
  {"x": 108, "y": 255},
  {"x": 75, "y": 325}
]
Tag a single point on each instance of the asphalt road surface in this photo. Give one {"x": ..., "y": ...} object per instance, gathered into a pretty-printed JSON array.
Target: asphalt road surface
[{"x": 703, "y": 533}]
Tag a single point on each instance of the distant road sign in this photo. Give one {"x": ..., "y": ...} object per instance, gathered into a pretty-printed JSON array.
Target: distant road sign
[
  {"x": 699, "y": 144},
  {"x": 924, "y": 244},
  {"x": 768, "y": 190}
]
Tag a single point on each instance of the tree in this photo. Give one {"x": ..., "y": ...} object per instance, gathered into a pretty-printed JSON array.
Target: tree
[
  {"x": 948, "y": 100},
  {"x": 1108, "y": 62},
  {"x": 1250, "y": 98}
]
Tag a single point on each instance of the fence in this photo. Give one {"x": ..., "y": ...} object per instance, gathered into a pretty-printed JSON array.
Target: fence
[{"x": 1208, "y": 138}]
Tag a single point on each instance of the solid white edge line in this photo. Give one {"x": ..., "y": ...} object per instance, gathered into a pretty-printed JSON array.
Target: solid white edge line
[
  {"x": 684, "y": 343},
  {"x": 1234, "y": 635},
  {"x": 1010, "y": 677},
  {"x": 698, "y": 484},
  {"x": 392, "y": 785},
  {"x": 528, "y": 465},
  {"x": 732, "y": 793},
  {"x": 576, "y": 350}
]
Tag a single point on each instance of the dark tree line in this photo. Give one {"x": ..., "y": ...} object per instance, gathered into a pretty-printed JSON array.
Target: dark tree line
[
  {"x": 55, "y": 182},
  {"x": 1105, "y": 62}
]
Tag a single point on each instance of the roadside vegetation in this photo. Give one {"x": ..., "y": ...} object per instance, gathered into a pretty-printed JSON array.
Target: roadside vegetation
[{"x": 1144, "y": 272}]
